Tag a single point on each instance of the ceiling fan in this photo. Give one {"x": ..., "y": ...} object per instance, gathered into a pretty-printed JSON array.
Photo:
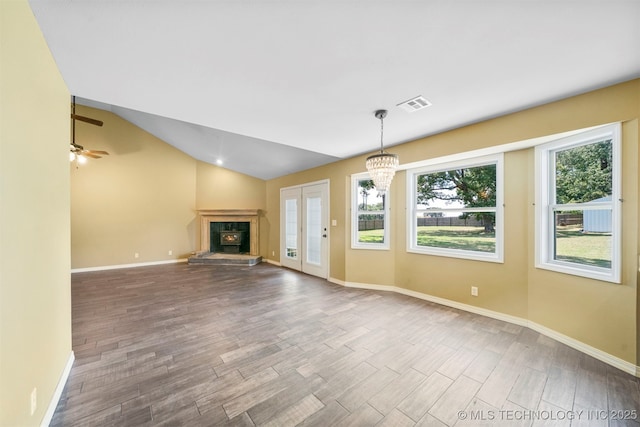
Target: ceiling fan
[{"x": 78, "y": 153}]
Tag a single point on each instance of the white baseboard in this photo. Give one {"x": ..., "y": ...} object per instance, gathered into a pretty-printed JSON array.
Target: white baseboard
[
  {"x": 139, "y": 264},
  {"x": 53, "y": 404},
  {"x": 605, "y": 357},
  {"x": 270, "y": 261}
]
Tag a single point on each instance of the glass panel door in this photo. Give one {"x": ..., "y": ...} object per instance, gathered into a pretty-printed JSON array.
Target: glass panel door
[
  {"x": 314, "y": 230},
  {"x": 290, "y": 243},
  {"x": 304, "y": 237}
]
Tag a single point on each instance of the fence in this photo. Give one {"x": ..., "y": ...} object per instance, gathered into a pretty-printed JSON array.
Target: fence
[
  {"x": 450, "y": 221},
  {"x": 371, "y": 224},
  {"x": 569, "y": 219},
  {"x": 378, "y": 224}
]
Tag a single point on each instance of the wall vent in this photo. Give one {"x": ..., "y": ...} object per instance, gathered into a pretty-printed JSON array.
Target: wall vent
[{"x": 415, "y": 104}]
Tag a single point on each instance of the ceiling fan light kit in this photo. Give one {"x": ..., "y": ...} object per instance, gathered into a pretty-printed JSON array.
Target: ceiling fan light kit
[
  {"x": 382, "y": 166},
  {"x": 77, "y": 152}
]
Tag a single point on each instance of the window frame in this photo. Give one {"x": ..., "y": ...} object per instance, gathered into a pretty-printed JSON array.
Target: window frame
[
  {"x": 356, "y": 212},
  {"x": 546, "y": 205},
  {"x": 412, "y": 211}
]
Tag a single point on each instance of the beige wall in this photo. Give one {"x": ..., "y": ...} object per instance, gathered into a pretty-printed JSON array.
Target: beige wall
[
  {"x": 143, "y": 198},
  {"x": 599, "y": 314},
  {"x": 35, "y": 300},
  {"x": 220, "y": 188},
  {"x": 139, "y": 199}
]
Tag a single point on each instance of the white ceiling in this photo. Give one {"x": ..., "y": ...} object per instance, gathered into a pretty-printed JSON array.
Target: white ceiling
[{"x": 273, "y": 87}]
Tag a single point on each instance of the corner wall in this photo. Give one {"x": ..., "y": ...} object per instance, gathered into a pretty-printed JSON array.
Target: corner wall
[
  {"x": 598, "y": 314},
  {"x": 140, "y": 199},
  {"x": 35, "y": 297},
  {"x": 220, "y": 188}
]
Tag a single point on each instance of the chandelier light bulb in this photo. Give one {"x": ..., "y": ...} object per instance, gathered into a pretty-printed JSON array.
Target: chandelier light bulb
[{"x": 382, "y": 166}]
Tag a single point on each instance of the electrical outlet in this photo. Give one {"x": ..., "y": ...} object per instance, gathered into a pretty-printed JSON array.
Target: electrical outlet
[
  {"x": 273, "y": 253},
  {"x": 34, "y": 400},
  {"x": 136, "y": 255},
  {"x": 334, "y": 222},
  {"x": 474, "y": 291},
  {"x": 170, "y": 252}
]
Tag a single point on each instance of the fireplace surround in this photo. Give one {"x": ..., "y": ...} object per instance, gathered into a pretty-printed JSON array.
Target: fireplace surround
[{"x": 208, "y": 216}]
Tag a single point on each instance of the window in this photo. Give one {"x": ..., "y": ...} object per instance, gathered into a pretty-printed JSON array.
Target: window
[
  {"x": 370, "y": 215},
  {"x": 456, "y": 209},
  {"x": 578, "y": 204}
]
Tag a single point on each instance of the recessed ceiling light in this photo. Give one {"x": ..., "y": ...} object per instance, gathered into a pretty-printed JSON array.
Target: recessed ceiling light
[
  {"x": 414, "y": 104},
  {"x": 219, "y": 162}
]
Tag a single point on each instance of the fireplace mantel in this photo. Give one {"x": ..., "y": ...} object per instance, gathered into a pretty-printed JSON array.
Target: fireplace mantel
[{"x": 207, "y": 216}]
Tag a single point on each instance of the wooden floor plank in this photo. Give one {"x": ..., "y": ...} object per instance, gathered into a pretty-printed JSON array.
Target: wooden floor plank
[
  {"x": 457, "y": 396},
  {"x": 242, "y": 346}
]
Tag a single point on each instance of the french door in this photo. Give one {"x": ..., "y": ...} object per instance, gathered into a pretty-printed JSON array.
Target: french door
[{"x": 304, "y": 218}]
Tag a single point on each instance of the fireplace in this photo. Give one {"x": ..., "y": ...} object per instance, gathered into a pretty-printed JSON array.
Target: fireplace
[
  {"x": 233, "y": 231},
  {"x": 230, "y": 241},
  {"x": 230, "y": 237}
]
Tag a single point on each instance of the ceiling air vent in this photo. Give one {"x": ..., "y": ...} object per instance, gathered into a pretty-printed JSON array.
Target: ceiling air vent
[{"x": 415, "y": 104}]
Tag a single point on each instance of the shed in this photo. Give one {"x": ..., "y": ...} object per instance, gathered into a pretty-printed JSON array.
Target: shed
[{"x": 599, "y": 220}]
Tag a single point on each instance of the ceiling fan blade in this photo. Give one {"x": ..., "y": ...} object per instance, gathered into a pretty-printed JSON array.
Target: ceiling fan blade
[
  {"x": 90, "y": 154},
  {"x": 102, "y": 153},
  {"x": 87, "y": 119}
]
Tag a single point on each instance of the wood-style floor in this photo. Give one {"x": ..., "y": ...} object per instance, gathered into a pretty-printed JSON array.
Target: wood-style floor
[{"x": 226, "y": 345}]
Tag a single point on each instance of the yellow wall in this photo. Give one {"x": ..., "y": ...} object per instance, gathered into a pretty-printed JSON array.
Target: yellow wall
[
  {"x": 139, "y": 199},
  {"x": 599, "y": 314},
  {"x": 143, "y": 197},
  {"x": 219, "y": 188},
  {"x": 35, "y": 300}
]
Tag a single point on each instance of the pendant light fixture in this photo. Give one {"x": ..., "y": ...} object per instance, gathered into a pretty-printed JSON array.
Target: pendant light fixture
[{"x": 382, "y": 166}]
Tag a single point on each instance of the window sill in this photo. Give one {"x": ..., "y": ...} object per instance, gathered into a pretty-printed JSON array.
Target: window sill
[
  {"x": 603, "y": 275},
  {"x": 452, "y": 253},
  {"x": 375, "y": 247}
]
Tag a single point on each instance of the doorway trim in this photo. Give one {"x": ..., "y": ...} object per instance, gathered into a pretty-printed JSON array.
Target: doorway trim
[{"x": 282, "y": 236}]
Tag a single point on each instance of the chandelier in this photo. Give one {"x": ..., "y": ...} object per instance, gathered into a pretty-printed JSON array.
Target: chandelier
[{"x": 382, "y": 166}]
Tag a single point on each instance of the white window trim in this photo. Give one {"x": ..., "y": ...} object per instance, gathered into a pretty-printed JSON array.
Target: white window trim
[
  {"x": 355, "y": 211},
  {"x": 544, "y": 231},
  {"x": 469, "y": 162}
]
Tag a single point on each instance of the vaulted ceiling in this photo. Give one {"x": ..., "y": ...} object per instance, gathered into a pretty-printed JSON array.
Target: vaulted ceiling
[{"x": 277, "y": 86}]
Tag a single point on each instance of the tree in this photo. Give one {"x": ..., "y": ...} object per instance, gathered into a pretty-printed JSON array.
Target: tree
[
  {"x": 473, "y": 187},
  {"x": 365, "y": 187},
  {"x": 584, "y": 173}
]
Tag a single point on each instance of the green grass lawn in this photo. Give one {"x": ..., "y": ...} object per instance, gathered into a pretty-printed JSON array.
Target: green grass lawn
[
  {"x": 583, "y": 248},
  {"x": 571, "y": 244},
  {"x": 371, "y": 236},
  {"x": 457, "y": 237},
  {"x": 451, "y": 237}
]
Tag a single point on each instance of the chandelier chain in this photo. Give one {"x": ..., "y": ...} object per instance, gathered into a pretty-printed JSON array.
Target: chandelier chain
[{"x": 381, "y": 134}]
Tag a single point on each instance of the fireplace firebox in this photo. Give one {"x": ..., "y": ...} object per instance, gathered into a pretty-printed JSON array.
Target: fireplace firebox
[
  {"x": 231, "y": 241},
  {"x": 230, "y": 237}
]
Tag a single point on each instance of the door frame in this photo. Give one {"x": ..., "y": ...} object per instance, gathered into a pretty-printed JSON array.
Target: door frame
[{"x": 282, "y": 236}]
